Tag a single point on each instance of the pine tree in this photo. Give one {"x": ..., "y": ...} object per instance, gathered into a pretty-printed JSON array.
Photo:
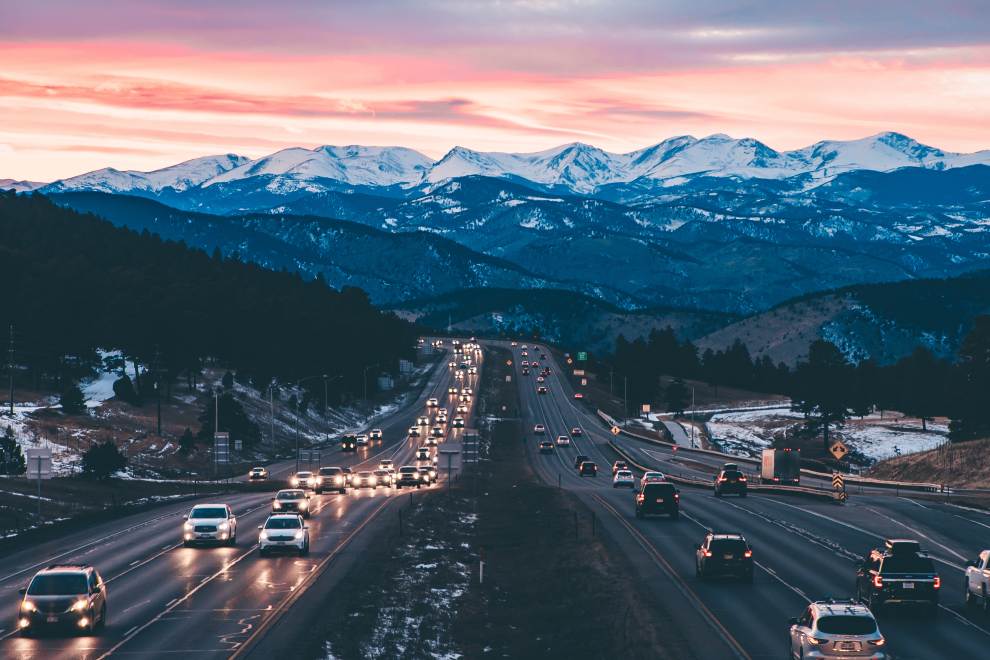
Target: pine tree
[
  {"x": 822, "y": 388},
  {"x": 12, "y": 459},
  {"x": 227, "y": 381},
  {"x": 187, "y": 442},
  {"x": 123, "y": 389},
  {"x": 102, "y": 460},
  {"x": 677, "y": 396},
  {"x": 971, "y": 398},
  {"x": 72, "y": 400}
]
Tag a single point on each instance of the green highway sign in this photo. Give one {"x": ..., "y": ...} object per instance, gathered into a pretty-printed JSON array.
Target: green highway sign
[{"x": 582, "y": 356}]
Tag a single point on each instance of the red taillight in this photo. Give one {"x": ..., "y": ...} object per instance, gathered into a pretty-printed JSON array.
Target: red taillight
[
  {"x": 721, "y": 479},
  {"x": 640, "y": 498},
  {"x": 748, "y": 553},
  {"x": 938, "y": 582},
  {"x": 776, "y": 478},
  {"x": 677, "y": 497},
  {"x": 742, "y": 479},
  {"x": 878, "y": 582},
  {"x": 708, "y": 553}
]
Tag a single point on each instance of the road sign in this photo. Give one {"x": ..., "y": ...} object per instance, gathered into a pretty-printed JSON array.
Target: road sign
[
  {"x": 221, "y": 447},
  {"x": 582, "y": 356},
  {"x": 838, "y": 449},
  {"x": 508, "y": 378},
  {"x": 646, "y": 409},
  {"x": 838, "y": 482},
  {"x": 238, "y": 444},
  {"x": 39, "y": 463},
  {"x": 616, "y": 430}
]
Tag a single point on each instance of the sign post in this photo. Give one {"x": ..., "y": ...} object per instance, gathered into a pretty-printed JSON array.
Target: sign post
[
  {"x": 221, "y": 450},
  {"x": 39, "y": 466},
  {"x": 838, "y": 449}
]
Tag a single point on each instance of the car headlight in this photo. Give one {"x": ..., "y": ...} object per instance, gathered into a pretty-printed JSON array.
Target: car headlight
[
  {"x": 339, "y": 480},
  {"x": 223, "y": 527},
  {"x": 294, "y": 481},
  {"x": 276, "y": 504},
  {"x": 187, "y": 526},
  {"x": 28, "y": 606},
  {"x": 263, "y": 536},
  {"x": 79, "y": 605},
  {"x": 299, "y": 535},
  {"x": 303, "y": 504}
]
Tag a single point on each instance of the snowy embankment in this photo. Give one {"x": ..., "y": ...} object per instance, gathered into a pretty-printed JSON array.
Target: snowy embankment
[{"x": 872, "y": 438}]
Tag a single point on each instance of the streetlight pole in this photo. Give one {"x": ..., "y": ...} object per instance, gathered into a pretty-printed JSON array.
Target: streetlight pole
[
  {"x": 365, "y": 379},
  {"x": 692, "y": 416}
]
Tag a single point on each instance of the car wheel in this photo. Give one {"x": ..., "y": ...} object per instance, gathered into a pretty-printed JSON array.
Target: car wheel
[{"x": 969, "y": 599}]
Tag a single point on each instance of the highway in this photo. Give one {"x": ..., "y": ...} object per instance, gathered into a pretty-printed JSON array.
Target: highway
[
  {"x": 205, "y": 602},
  {"x": 804, "y": 550}
]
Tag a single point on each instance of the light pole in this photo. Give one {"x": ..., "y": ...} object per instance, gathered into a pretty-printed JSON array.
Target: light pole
[
  {"x": 326, "y": 381},
  {"x": 364, "y": 378},
  {"x": 692, "y": 416}
]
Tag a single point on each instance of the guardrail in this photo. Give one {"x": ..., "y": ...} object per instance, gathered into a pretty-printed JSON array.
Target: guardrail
[
  {"x": 817, "y": 493},
  {"x": 850, "y": 478}
]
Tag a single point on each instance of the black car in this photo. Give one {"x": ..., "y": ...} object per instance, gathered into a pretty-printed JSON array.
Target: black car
[
  {"x": 71, "y": 597},
  {"x": 581, "y": 458},
  {"x": 898, "y": 573},
  {"x": 730, "y": 481},
  {"x": 724, "y": 554},
  {"x": 291, "y": 500},
  {"x": 588, "y": 469},
  {"x": 348, "y": 443},
  {"x": 546, "y": 447},
  {"x": 408, "y": 475},
  {"x": 658, "y": 498}
]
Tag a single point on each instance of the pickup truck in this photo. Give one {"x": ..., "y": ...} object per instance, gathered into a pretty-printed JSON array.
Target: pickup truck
[{"x": 978, "y": 581}]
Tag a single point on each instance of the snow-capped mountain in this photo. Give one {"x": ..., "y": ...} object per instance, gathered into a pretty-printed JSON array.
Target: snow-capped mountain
[
  {"x": 20, "y": 186},
  {"x": 575, "y": 168},
  {"x": 180, "y": 177}
]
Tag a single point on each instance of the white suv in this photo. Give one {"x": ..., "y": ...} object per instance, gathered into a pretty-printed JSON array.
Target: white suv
[
  {"x": 283, "y": 531},
  {"x": 836, "y": 629},
  {"x": 209, "y": 523}
]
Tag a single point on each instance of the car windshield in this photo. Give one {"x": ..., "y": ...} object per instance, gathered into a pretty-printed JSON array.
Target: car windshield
[
  {"x": 732, "y": 474},
  {"x": 659, "y": 489},
  {"x": 54, "y": 584},
  {"x": 283, "y": 523},
  {"x": 208, "y": 512},
  {"x": 304, "y": 475},
  {"x": 907, "y": 564},
  {"x": 407, "y": 470},
  {"x": 290, "y": 495},
  {"x": 329, "y": 472},
  {"x": 847, "y": 625},
  {"x": 727, "y": 545}
]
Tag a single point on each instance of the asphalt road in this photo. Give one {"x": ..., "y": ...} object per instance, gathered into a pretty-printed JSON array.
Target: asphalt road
[
  {"x": 165, "y": 599},
  {"x": 804, "y": 550}
]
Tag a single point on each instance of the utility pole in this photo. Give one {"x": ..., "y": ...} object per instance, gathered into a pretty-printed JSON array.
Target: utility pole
[
  {"x": 10, "y": 368},
  {"x": 158, "y": 386},
  {"x": 692, "y": 416},
  {"x": 611, "y": 388},
  {"x": 625, "y": 396},
  {"x": 271, "y": 402},
  {"x": 326, "y": 435}
]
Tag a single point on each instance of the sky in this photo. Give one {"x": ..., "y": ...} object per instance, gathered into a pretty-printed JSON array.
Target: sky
[{"x": 135, "y": 84}]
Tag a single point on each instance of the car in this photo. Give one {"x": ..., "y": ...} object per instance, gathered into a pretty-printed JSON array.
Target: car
[
  {"x": 525, "y": 363},
  {"x": 546, "y": 447},
  {"x": 427, "y": 474},
  {"x": 303, "y": 479},
  {"x": 978, "y": 580},
  {"x": 384, "y": 478},
  {"x": 365, "y": 479},
  {"x": 836, "y": 629},
  {"x": 63, "y": 596},
  {"x": 524, "y": 352},
  {"x": 524, "y": 347},
  {"x": 432, "y": 402},
  {"x": 898, "y": 573},
  {"x": 652, "y": 475},
  {"x": 467, "y": 390},
  {"x": 542, "y": 389},
  {"x": 408, "y": 475},
  {"x": 730, "y": 481},
  {"x": 209, "y": 523},
  {"x": 730, "y": 466},
  {"x": 539, "y": 429},
  {"x": 588, "y": 469},
  {"x": 581, "y": 458},
  {"x": 577, "y": 430},
  {"x": 472, "y": 369},
  {"x": 525, "y": 371},
  {"x": 331, "y": 478},
  {"x": 423, "y": 454},
  {"x": 451, "y": 365},
  {"x": 431, "y": 441},
  {"x": 362, "y": 439},
  {"x": 348, "y": 443},
  {"x": 452, "y": 390},
  {"x": 619, "y": 465},
  {"x": 413, "y": 431},
  {"x": 459, "y": 375},
  {"x": 376, "y": 434},
  {"x": 724, "y": 554},
  {"x": 578, "y": 395},
  {"x": 540, "y": 379},
  {"x": 257, "y": 474},
  {"x": 436, "y": 432},
  {"x": 513, "y": 344},
  {"x": 283, "y": 531},
  {"x": 465, "y": 398},
  {"x": 386, "y": 464},
  {"x": 422, "y": 420},
  {"x": 563, "y": 441},
  {"x": 462, "y": 409},
  {"x": 658, "y": 498},
  {"x": 458, "y": 422},
  {"x": 291, "y": 500},
  {"x": 623, "y": 479}
]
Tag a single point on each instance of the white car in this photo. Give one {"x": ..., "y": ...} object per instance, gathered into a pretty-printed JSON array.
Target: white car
[
  {"x": 413, "y": 431},
  {"x": 303, "y": 479},
  {"x": 386, "y": 464},
  {"x": 423, "y": 454},
  {"x": 422, "y": 420},
  {"x": 384, "y": 477},
  {"x": 432, "y": 403},
  {"x": 472, "y": 369},
  {"x": 291, "y": 500},
  {"x": 362, "y": 439},
  {"x": 563, "y": 441},
  {"x": 577, "y": 430},
  {"x": 651, "y": 476},
  {"x": 539, "y": 429},
  {"x": 209, "y": 523},
  {"x": 452, "y": 390},
  {"x": 623, "y": 479},
  {"x": 376, "y": 434},
  {"x": 463, "y": 408},
  {"x": 283, "y": 531}
]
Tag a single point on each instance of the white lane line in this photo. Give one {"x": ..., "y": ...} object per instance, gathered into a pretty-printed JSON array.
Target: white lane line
[
  {"x": 130, "y": 631},
  {"x": 924, "y": 536},
  {"x": 954, "y": 515}
]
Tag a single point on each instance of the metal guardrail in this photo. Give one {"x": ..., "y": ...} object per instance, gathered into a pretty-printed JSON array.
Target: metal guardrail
[{"x": 863, "y": 481}]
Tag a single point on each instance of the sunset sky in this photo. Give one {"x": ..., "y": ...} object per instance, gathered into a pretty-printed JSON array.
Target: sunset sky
[{"x": 135, "y": 84}]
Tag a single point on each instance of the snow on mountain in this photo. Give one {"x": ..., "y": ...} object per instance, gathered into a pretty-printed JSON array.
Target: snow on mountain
[
  {"x": 354, "y": 165},
  {"x": 180, "y": 177},
  {"x": 20, "y": 186}
]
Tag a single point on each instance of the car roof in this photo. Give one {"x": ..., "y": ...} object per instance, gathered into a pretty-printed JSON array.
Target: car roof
[
  {"x": 67, "y": 568},
  {"x": 727, "y": 536},
  {"x": 285, "y": 515},
  {"x": 841, "y": 607},
  {"x": 291, "y": 491}
]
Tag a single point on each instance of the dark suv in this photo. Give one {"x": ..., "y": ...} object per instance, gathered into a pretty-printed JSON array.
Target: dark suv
[
  {"x": 72, "y": 597},
  {"x": 331, "y": 478},
  {"x": 581, "y": 458},
  {"x": 898, "y": 573},
  {"x": 588, "y": 469},
  {"x": 724, "y": 554},
  {"x": 658, "y": 498},
  {"x": 730, "y": 481}
]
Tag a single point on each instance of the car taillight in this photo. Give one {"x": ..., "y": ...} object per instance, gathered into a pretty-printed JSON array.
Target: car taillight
[
  {"x": 878, "y": 582},
  {"x": 938, "y": 582},
  {"x": 708, "y": 553},
  {"x": 640, "y": 498},
  {"x": 748, "y": 553},
  {"x": 742, "y": 479},
  {"x": 677, "y": 498},
  {"x": 721, "y": 479}
]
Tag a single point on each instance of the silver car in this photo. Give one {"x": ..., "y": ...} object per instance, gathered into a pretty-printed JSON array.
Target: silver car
[
  {"x": 836, "y": 629},
  {"x": 209, "y": 523}
]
